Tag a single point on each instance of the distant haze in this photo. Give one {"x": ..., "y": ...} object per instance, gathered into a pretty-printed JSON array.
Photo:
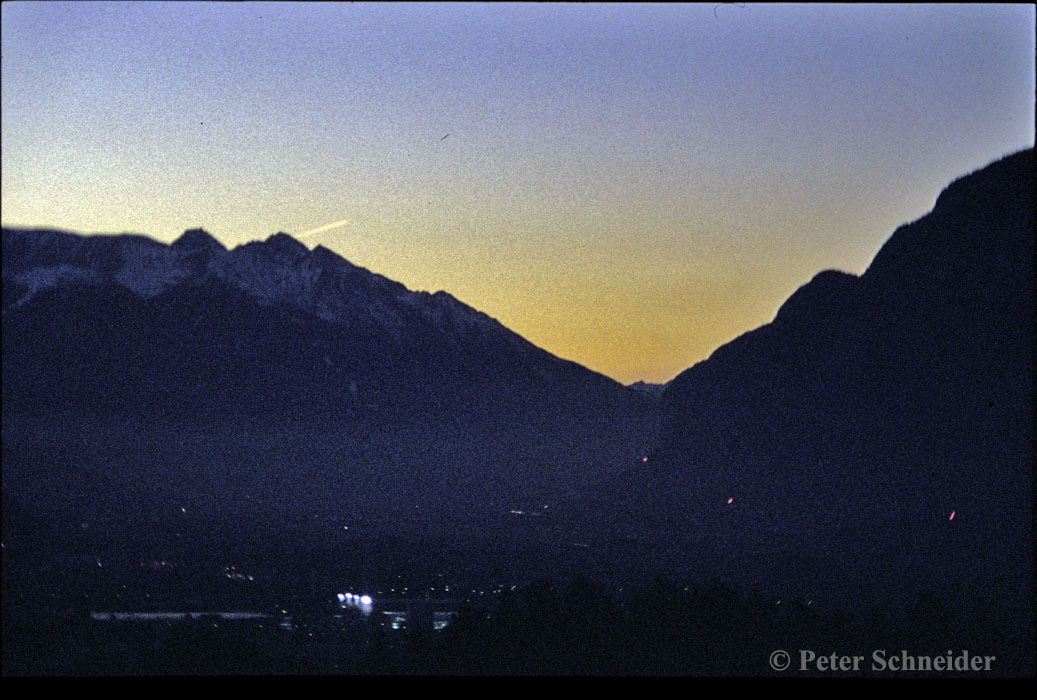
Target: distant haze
[{"x": 626, "y": 186}]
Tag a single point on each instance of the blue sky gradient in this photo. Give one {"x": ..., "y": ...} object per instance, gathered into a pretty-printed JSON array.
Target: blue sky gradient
[{"x": 627, "y": 186}]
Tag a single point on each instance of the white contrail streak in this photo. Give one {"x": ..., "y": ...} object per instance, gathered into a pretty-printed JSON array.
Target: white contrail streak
[{"x": 323, "y": 228}]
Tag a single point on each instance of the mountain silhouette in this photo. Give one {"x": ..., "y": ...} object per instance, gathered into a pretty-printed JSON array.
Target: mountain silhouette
[
  {"x": 874, "y": 439},
  {"x": 286, "y": 380},
  {"x": 871, "y": 446}
]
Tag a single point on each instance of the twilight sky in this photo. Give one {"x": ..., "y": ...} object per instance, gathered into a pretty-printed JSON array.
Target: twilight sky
[{"x": 627, "y": 186}]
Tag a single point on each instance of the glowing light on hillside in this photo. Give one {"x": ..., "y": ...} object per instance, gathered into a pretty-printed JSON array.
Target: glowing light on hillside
[{"x": 365, "y": 600}]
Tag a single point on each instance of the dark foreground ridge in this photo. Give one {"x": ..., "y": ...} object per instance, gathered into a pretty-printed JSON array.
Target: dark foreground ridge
[{"x": 875, "y": 440}]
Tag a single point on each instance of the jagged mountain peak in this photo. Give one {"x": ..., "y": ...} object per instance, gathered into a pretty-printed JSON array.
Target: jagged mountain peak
[
  {"x": 327, "y": 258},
  {"x": 283, "y": 244},
  {"x": 198, "y": 239},
  {"x": 277, "y": 271}
]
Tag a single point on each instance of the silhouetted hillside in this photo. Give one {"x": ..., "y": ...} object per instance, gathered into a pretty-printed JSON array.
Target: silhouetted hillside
[
  {"x": 828, "y": 451},
  {"x": 272, "y": 382}
]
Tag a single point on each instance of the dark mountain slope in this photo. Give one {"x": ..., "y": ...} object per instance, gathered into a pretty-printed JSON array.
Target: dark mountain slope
[
  {"x": 271, "y": 382},
  {"x": 849, "y": 429}
]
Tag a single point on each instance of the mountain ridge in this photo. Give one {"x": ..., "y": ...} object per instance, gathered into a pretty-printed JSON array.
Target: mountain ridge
[
  {"x": 419, "y": 392},
  {"x": 279, "y": 269},
  {"x": 877, "y": 432}
]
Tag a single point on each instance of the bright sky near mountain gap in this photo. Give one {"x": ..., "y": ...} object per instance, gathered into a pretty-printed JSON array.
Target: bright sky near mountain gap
[{"x": 627, "y": 186}]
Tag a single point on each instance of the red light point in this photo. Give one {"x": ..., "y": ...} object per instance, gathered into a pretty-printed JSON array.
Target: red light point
[
  {"x": 645, "y": 459},
  {"x": 730, "y": 500},
  {"x": 952, "y": 515}
]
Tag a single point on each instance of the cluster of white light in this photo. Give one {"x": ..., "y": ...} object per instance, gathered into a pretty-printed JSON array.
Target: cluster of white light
[{"x": 361, "y": 599}]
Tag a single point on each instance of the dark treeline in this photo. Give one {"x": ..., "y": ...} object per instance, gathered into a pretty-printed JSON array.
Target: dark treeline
[
  {"x": 706, "y": 629},
  {"x": 663, "y": 628}
]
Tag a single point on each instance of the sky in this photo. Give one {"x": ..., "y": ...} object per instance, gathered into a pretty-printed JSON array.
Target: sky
[{"x": 626, "y": 186}]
